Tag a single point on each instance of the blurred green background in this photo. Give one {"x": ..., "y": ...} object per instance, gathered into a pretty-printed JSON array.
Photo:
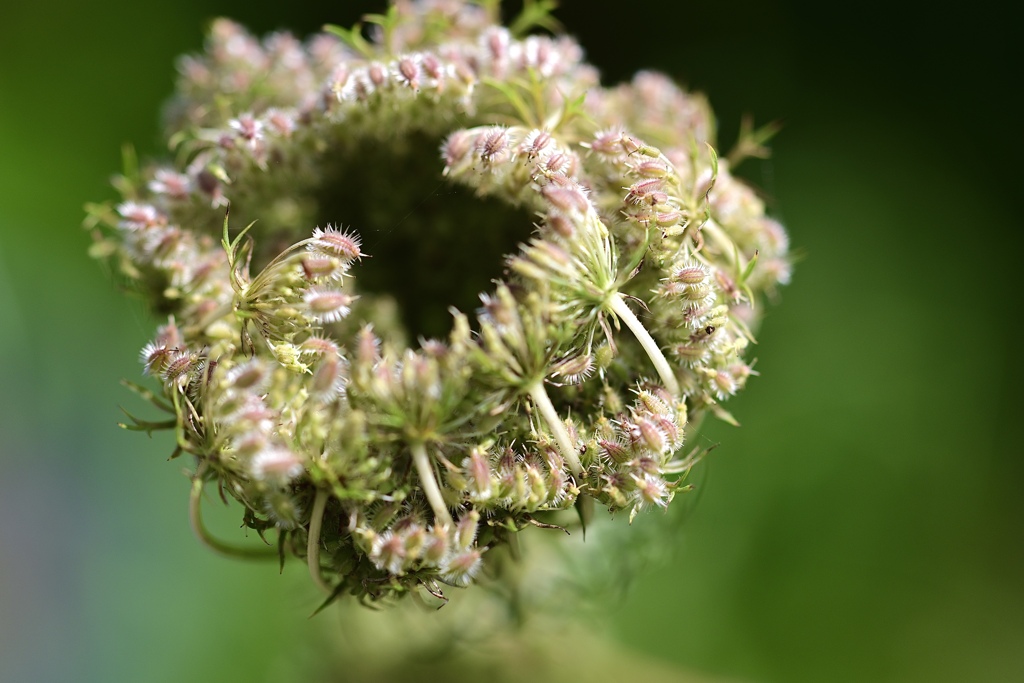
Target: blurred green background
[{"x": 865, "y": 523}]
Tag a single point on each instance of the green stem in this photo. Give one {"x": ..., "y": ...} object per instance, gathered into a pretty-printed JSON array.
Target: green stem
[
  {"x": 668, "y": 378},
  {"x": 718, "y": 236},
  {"x": 316, "y": 519},
  {"x": 638, "y": 256},
  {"x": 429, "y": 483},
  {"x": 550, "y": 415},
  {"x": 195, "y": 518}
]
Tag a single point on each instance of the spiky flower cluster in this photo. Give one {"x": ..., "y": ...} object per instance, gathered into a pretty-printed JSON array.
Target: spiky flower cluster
[{"x": 387, "y": 465}]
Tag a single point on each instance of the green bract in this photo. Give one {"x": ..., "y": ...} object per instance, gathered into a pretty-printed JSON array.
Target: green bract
[{"x": 295, "y": 358}]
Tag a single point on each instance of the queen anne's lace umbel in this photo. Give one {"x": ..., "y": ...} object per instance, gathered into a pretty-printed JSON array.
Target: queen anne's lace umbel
[{"x": 390, "y": 465}]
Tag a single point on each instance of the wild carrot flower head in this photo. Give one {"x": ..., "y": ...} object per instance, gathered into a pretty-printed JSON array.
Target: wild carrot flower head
[{"x": 543, "y": 285}]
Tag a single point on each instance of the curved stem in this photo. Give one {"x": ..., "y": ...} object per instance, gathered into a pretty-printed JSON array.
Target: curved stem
[
  {"x": 316, "y": 519},
  {"x": 547, "y": 411},
  {"x": 195, "y": 518},
  {"x": 619, "y": 307},
  {"x": 638, "y": 256},
  {"x": 430, "y": 488}
]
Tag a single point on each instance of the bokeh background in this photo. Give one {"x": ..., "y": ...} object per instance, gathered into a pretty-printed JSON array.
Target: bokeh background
[{"x": 865, "y": 524}]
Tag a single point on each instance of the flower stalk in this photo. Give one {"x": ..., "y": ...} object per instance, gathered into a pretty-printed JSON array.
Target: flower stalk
[
  {"x": 429, "y": 483},
  {"x": 195, "y": 517},
  {"x": 542, "y": 401},
  {"x": 668, "y": 377},
  {"x": 316, "y": 520}
]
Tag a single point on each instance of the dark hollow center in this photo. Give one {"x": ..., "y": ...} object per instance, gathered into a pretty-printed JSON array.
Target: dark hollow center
[{"x": 432, "y": 244}]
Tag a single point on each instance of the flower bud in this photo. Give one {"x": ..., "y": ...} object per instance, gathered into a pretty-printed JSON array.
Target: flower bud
[
  {"x": 435, "y": 545},
  {"x": 651, "y": 436},
  {"x": 328, "y": 378},
  {"x": 327, "y": 305},
  {"x": 388, "y": 552},
  {"x": 536, "y": 143},
  {"x": 492, "y": 144},
  {"x": 275, "y": 465},
  {"x": 478, "y": 475},
  {"x": 614, "y": 451},
  {"x": 574, "y": 370},
  {"x": 465, "y": 529},
  {"x": 651, "y": 490},
  {"x": 283, "y": 509},
  {"x": 251, "y": 375},
  {"x": 333, "y": 242},
  {"x": 459, "y": 568},
  {"x": 155, "y": 358},
  {"x": 408, "y": 72}
]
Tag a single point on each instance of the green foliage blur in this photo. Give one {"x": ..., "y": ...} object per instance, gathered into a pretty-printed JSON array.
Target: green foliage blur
[{"x": 865, "y": 523}]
